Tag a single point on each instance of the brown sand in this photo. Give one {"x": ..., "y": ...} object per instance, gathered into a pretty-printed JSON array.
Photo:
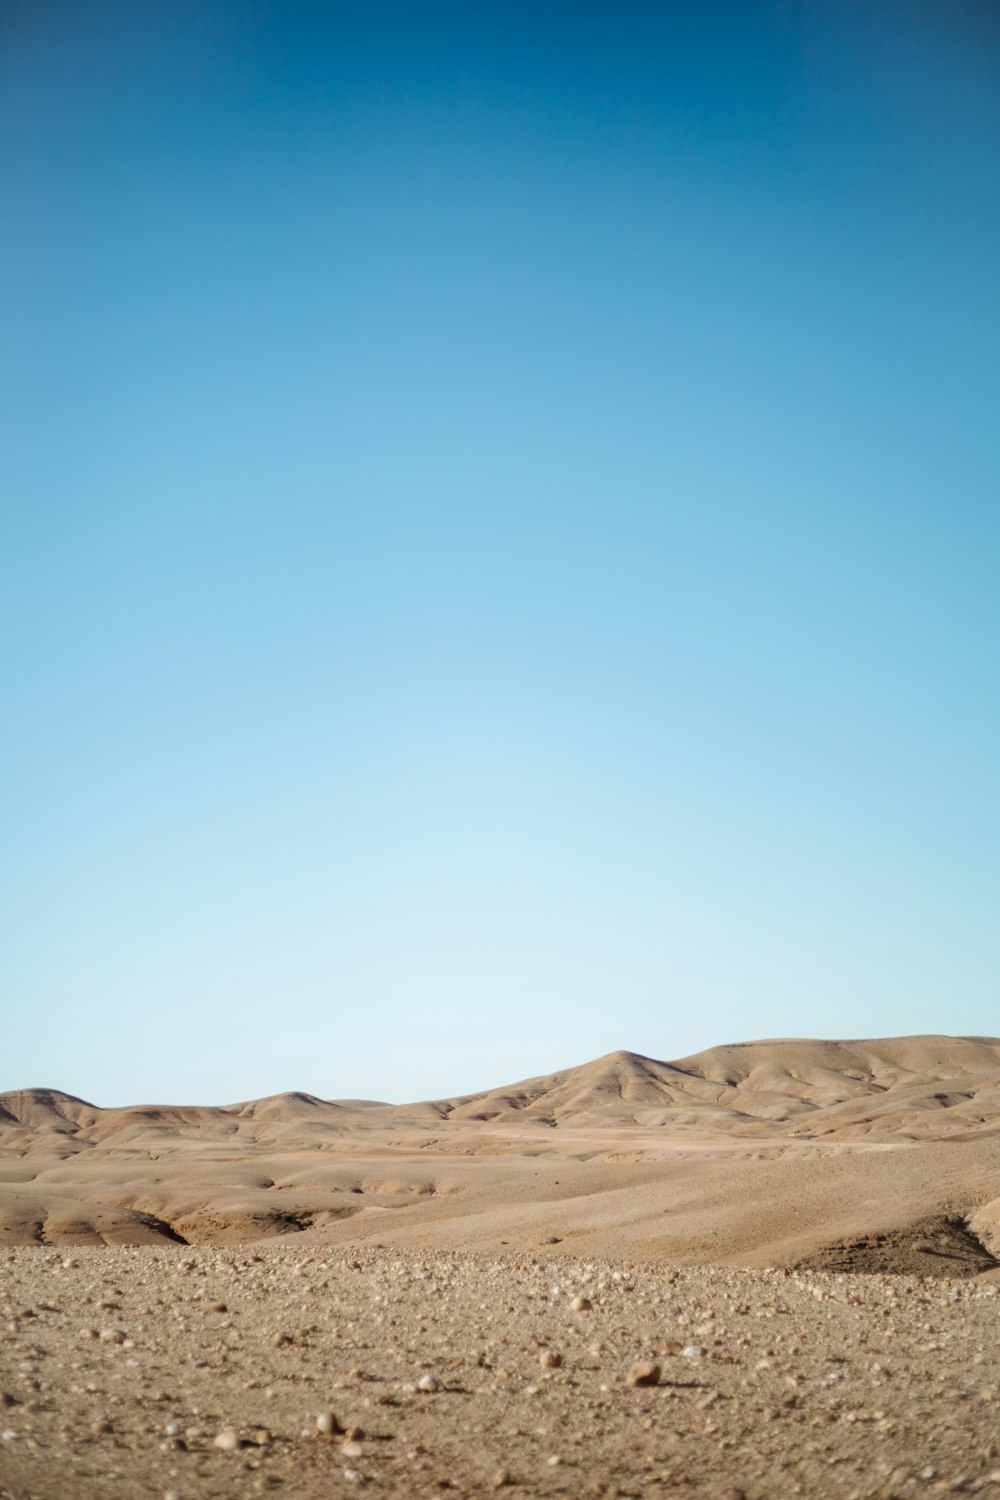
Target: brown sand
[
  {"x": 804, "y": 1383},
  {"x": 763, "y": 1154},
  {"x": 402, "y": 1240}
]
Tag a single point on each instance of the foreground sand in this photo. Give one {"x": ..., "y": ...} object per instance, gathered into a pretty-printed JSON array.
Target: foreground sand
[{"x": 123, "y": 1366}]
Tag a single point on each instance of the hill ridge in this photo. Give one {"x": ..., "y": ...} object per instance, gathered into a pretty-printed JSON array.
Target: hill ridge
[
  {"x": 766, "y": 1079},
  {"x": 844, "y": 1139}
]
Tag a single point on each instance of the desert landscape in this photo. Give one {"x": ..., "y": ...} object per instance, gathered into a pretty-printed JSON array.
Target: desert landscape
[
  {"x": 625, "y": 1155},
  {"x": 767, "y": 1269},
  {"x": 500, "y": 563}
]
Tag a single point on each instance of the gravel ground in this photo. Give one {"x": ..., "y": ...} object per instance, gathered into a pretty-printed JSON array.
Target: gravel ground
[{"x": 181, "y": 1374}]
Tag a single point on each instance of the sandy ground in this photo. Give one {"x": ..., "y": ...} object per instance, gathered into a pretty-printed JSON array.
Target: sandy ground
[
  {"x": 765, "y": 1153},
  {"x": 125, "y": 1367},
  {"x": 801, "y": 1236}
]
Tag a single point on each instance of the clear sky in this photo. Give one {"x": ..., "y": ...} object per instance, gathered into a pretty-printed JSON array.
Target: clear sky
[{"x": 501, "y": 536}]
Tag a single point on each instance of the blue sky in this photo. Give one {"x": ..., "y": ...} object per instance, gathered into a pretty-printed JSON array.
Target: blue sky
[{"x": 500, "y": 537}]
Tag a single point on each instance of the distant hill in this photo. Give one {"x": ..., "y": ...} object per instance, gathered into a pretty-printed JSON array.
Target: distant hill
[
  {"x": 913, "y": 1088},
  {"x": 882, "y": 1153}
]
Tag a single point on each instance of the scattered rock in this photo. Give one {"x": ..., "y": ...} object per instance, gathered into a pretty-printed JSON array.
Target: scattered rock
[{"x": 475, "y": 1326}]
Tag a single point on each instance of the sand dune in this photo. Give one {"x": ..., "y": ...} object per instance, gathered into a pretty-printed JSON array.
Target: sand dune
[
  {"x": 519, "y": 1249},
  {"x": 459, "y": 1241},
  {"x": 771, "y": 1152},
  {"x": 897, "y": 1086}
]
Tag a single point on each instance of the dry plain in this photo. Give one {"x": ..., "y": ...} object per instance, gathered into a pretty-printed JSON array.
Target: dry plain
[{"x": 798, "y": 1237}]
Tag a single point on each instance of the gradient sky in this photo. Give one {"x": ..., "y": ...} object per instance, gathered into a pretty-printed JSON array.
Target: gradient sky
[{"x": 501, "y": 537}]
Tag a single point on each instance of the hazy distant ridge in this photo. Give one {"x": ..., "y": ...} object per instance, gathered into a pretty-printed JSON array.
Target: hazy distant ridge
[{"x": 913, "y": 1087}]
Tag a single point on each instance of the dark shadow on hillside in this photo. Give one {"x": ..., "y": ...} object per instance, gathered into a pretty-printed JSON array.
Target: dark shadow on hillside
[{"x": 941, "y": 1245}]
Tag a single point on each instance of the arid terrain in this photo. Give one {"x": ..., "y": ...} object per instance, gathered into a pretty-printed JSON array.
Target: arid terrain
[
  {"x": 764, "y": 1153},
  {"x": 797, "y": 1239}
]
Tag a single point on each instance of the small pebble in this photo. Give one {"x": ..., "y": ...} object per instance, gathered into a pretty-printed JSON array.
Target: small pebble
[
  {"x": 428, "y": 1383},
  {"x": 327, "y": 1423},
  {"x": 550, "y": 1359},
  {"x": 643, "y": 1372},
  {"x": 228, "y": 1440},
  {"x": 581, "y": 1304}
]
